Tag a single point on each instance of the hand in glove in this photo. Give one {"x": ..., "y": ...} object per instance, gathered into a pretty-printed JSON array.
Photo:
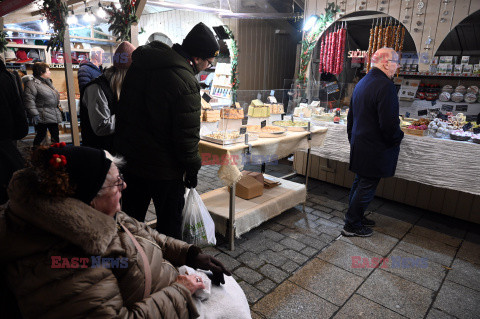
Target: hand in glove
[
  {"x": 36, "y": 119},
  {"x": 207, "y": 262},
  {"x": 190, "y": 179}
]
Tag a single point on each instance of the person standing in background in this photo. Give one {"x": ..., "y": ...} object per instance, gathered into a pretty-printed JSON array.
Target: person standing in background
[
  {"x": 13, "y": 126},
  {"x": 374, "y": 134},
  {"x": 42, "y": 101},
  {"x": 158, "y": 126},
  {"x": 90, "y": 70},
  {"x": 100, "y": 98}
]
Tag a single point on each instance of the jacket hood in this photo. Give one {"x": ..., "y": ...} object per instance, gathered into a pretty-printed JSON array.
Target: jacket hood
[
  {"x": 158, "y": 55},
  {"x": 89, "y": 64},
  {"x": 27, "y": 78},
  {"x": 67, "y": 218}
]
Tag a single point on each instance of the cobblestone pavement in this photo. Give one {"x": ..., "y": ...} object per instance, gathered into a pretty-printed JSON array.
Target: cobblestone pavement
[{"x": 298, "y": 264}]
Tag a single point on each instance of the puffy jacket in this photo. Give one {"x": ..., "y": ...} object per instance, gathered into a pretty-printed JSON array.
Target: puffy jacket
[
  {"x": 87, "y": 72},
  {"x": 104, "y": 104},
  {"x": 35, "y": 229},
  {"x": 41, "y": 98},
  {"x": 158, "y": 118}
]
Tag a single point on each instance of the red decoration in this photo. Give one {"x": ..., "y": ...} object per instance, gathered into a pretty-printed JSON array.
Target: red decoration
[
  {"x": 57, "y": 161},
  {"x": 59, "y": 145}
]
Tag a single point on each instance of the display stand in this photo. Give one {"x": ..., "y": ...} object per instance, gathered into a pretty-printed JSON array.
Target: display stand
[{"x": 271, "y": 203}]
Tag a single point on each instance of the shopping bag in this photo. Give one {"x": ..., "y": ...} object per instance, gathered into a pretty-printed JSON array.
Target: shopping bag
[{"x": 198, "y": 227}]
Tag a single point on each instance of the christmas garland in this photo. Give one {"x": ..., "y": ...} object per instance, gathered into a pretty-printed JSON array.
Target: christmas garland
[
  {"x": 121, "y": 20},
  {"x": 55, "y": 12},
  {"x": 3, "y": 41},
  {"x": 311, "y": 38},
  {"x": 234, "y": 62}
]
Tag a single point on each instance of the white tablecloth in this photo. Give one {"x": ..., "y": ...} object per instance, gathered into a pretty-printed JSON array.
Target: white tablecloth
[
  {"x": 437, "y": 162},
  {"x": 263, "y": 149}
]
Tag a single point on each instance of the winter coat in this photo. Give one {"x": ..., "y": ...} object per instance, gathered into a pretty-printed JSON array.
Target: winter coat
[
  {"x": 13, "y": 121},
  {"x": 98, "y": 105},
  {"x": 35, "y": 229},
  {"x": 158, "y": 119},
  {"x": 373, "y": 126},
  {"x": 13, "y": 126},
  {"x": 41, "y": 98},
  {"x": 87, "y": 72}
]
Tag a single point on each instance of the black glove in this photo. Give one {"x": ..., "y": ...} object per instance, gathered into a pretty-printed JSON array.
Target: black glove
[
  {"x": 190, "y": 179},
  {"x": 207, "y": 262}
]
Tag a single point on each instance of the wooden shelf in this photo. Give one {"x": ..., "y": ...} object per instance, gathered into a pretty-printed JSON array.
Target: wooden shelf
[{"x": 440, "y": 74}]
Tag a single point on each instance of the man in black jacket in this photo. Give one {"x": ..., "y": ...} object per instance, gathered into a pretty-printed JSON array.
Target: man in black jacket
[
  {"x": 13, "y": 126},
  {"x": 373, "y": 128},
  {"x": 158, "y": 126}
]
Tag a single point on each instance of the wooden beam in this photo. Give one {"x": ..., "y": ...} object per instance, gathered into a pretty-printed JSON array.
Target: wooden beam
[
  {"x": 139, "y": 6},
  {"x": 72, "y": 106},
  {"x": 68, "y": 3}
]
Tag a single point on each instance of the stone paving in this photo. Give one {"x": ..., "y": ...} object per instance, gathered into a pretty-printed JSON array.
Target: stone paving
[{"x": 297, "y": 265}]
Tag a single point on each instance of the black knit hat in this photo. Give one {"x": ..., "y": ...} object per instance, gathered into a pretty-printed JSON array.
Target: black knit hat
[
  {"x": 201, "y": 42},
  {"x": 86, "y": 167}
]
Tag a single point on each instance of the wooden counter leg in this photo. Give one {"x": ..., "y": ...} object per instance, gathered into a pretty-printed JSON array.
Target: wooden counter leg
[
  {"x": 231, "y": 219},
  {"x": 306, "y": 177}
]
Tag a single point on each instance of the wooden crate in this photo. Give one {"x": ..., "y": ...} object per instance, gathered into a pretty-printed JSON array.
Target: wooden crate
[{"x": 410, "y": 131}]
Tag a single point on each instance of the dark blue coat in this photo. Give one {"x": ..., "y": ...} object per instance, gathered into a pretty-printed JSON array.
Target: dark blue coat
[
  {"x": 87, "y": 73},
  {"x": 374, "y": 126}
]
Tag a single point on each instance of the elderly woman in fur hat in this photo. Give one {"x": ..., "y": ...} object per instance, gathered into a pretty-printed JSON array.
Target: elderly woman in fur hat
[{"x": 69, "y": 252}]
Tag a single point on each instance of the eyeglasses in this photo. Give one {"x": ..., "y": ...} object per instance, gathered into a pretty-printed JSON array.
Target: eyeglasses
[
  {"x": 210, "y": 63},
  {"x": 395, "y": 61},
  {"x": 119, "y": 183}
]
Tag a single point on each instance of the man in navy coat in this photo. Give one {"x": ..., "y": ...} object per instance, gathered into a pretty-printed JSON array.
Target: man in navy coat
[{"x": 374, "y": 133}]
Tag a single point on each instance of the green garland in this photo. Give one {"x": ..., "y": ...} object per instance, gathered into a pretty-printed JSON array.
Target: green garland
[
  {"x": 121, "y": 20},
  {"x": 311, "y": 38},
  {"x": 234, "y": 62},
  {"x": 55, "y": 12},
  {"x": 3, "y": 41}
]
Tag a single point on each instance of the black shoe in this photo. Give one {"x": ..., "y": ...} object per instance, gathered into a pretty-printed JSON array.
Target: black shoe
[
  {"x": 368, "y": 222},
  {"x": 363, "y": 231}
]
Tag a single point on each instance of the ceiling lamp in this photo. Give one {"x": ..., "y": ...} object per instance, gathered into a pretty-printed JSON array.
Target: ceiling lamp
[
  {"x": 100, "y": 12},
  {"x": 88, "y": 16},
  {"x": 310, "y": 23},
  {"x": 72, "y": 19}
]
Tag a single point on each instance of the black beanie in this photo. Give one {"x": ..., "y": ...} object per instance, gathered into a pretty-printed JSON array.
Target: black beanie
[
  {"x": 86, "y": 167},
  {"x": 201, "y": 42}
]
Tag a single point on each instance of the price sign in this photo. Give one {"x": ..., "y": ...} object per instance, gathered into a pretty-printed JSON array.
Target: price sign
[
  {"x": 243, "y": 130},
  {"x": 422, "y": 112},
  {"x": 447, "y": 107},
  {"x": 263, "y": 124},
  {"x": 206, "y": 97},
  {"x": 245, "y": 121},
  {"x": 471, "y": 118},
  {"x": 461, "y": 108}
]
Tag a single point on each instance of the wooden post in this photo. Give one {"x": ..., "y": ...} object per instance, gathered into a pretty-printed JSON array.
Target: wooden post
[
  {"x": 72, "y": 106},
  {"x": 139, "y": 6}
]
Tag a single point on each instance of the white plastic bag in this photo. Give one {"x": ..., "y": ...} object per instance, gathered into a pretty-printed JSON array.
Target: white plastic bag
[{"x": 198, "y": 227}]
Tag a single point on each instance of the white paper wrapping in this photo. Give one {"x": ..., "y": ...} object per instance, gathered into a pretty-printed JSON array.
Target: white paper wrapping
[{"x": 441, "y": 163}]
